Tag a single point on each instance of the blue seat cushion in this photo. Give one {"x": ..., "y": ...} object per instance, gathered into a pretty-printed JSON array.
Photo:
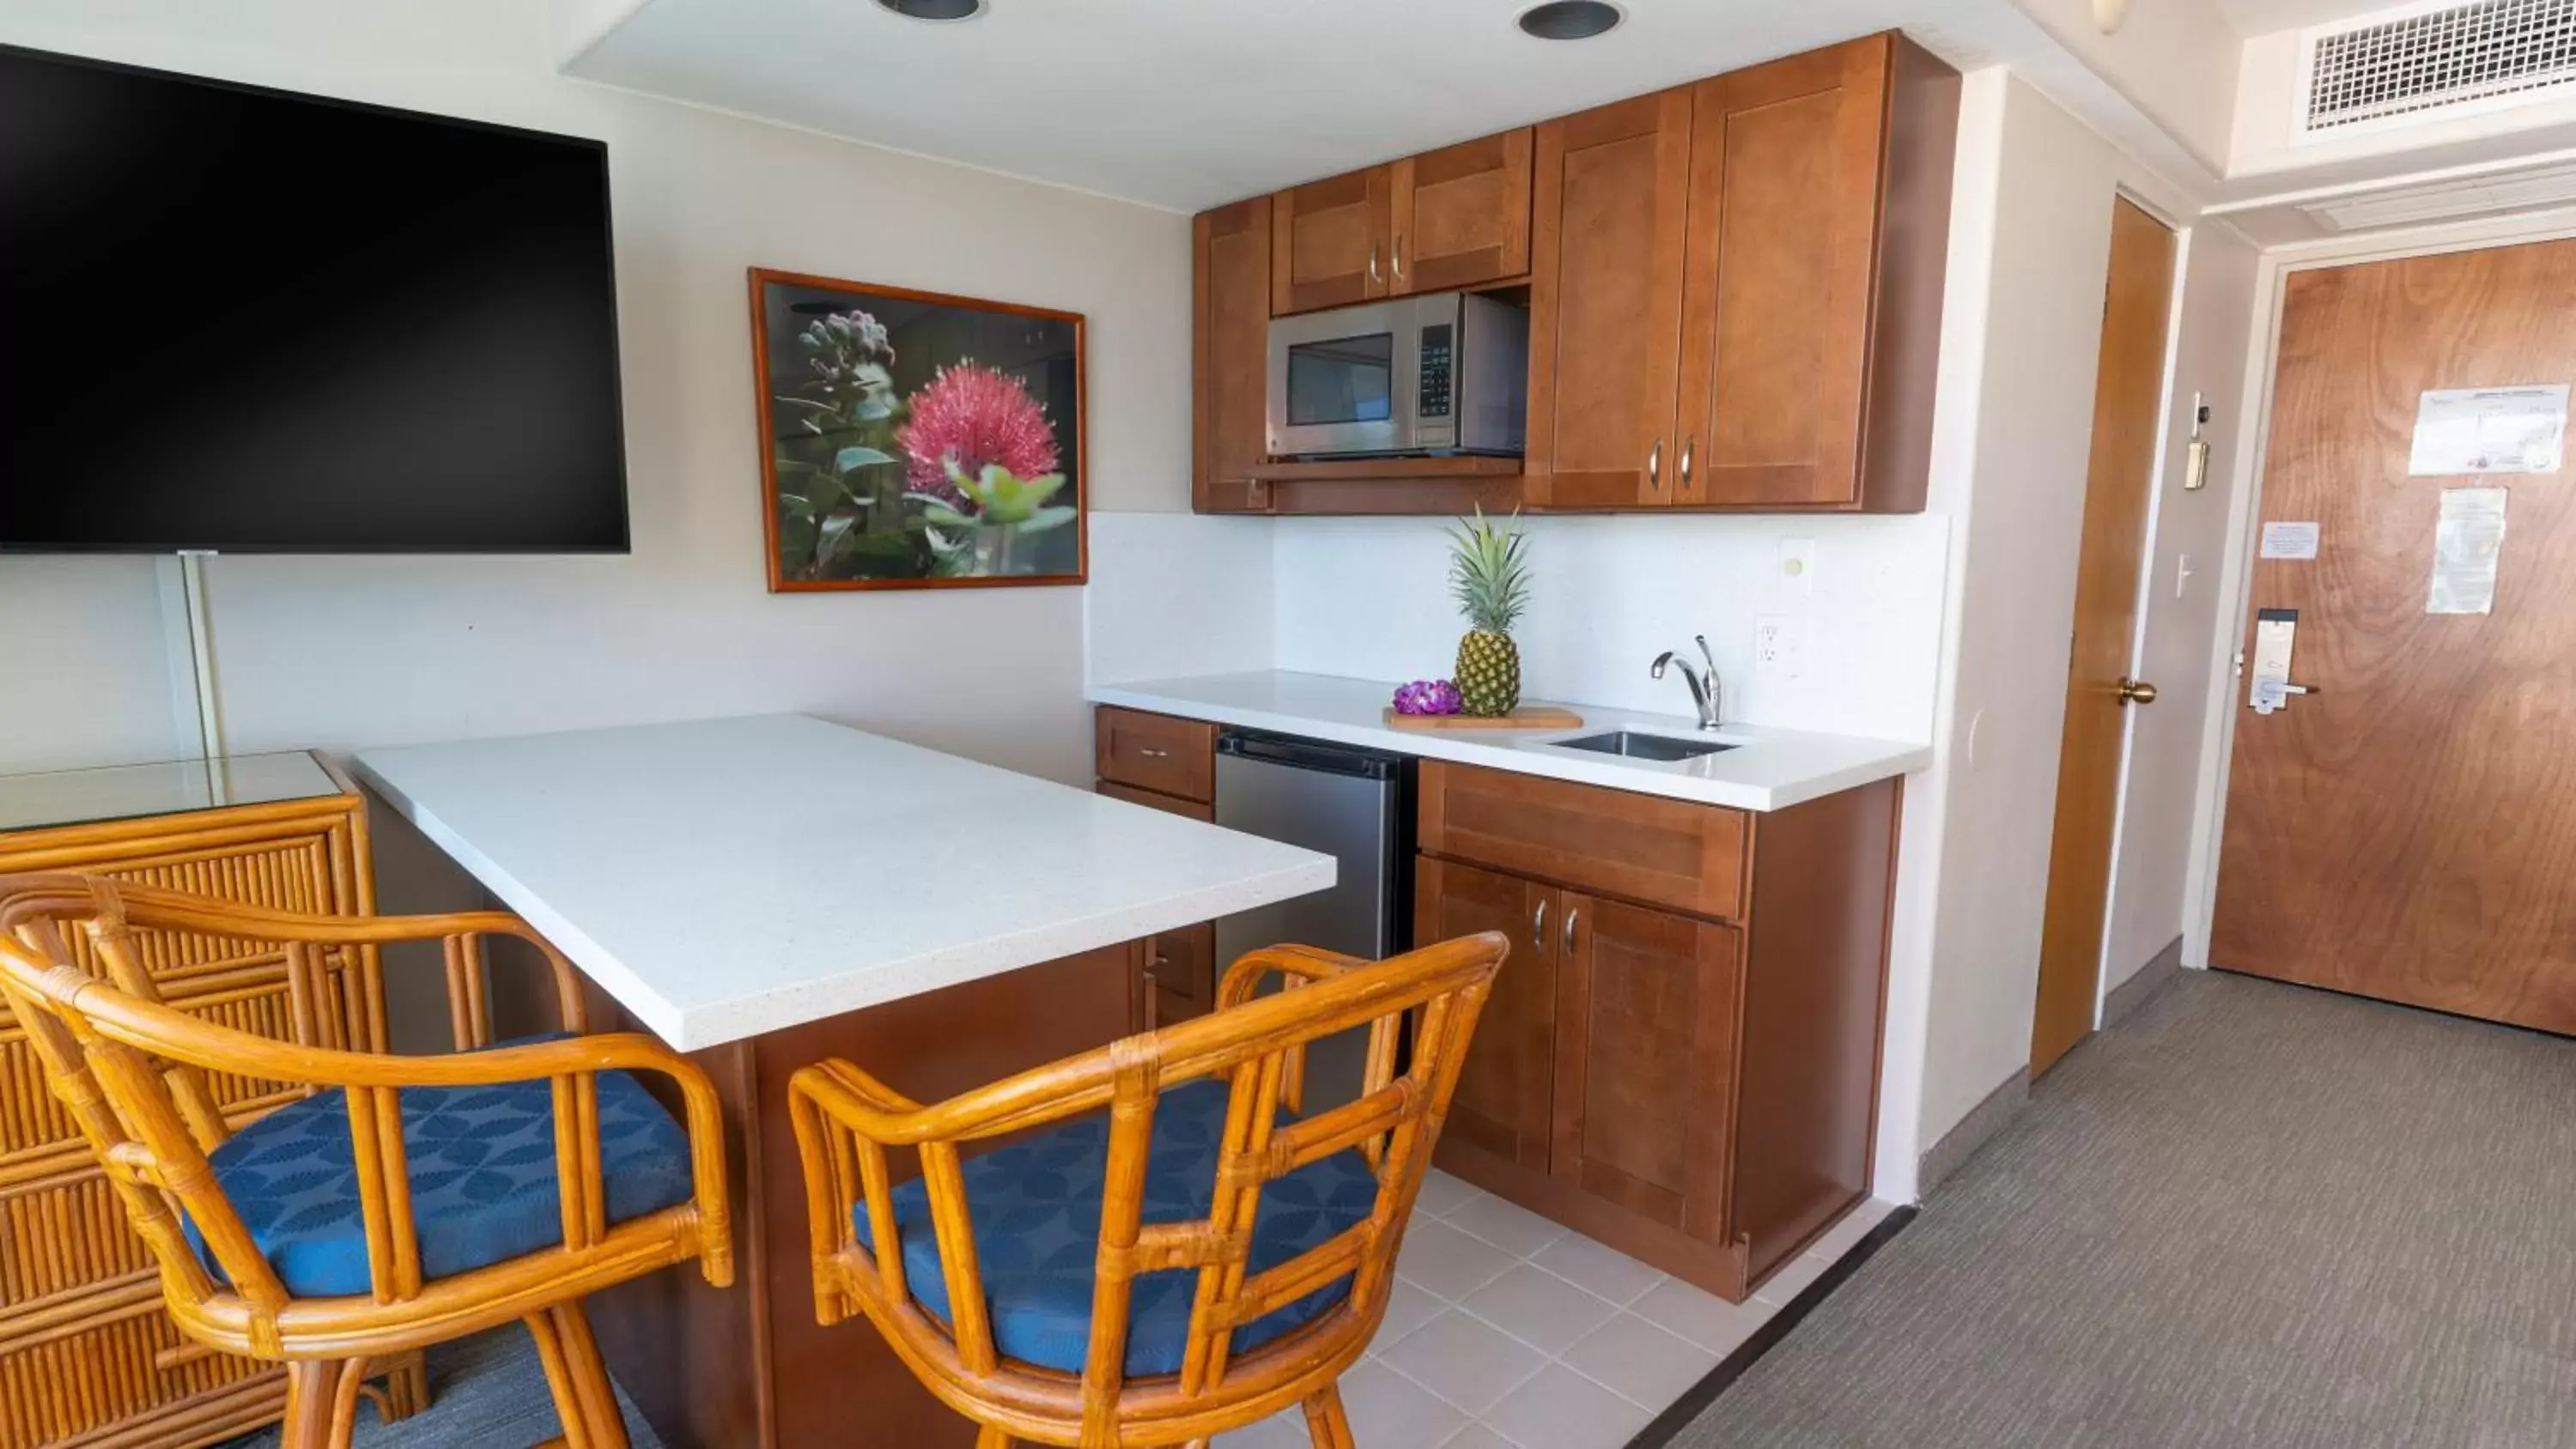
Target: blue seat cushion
[
  {"x": 1036, "y": 1210},
  {"x": 483, "y": 1187}
]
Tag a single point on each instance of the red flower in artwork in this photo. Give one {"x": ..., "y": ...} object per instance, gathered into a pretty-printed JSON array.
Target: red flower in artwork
[{"x": 972, "y": 415}]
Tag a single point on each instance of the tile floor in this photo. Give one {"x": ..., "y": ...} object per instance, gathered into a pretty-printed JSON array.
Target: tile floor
[{"x": 1509, "y": 1332}]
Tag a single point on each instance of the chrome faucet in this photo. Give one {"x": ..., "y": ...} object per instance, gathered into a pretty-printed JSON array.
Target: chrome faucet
[{"x": 1703, "y": 686}]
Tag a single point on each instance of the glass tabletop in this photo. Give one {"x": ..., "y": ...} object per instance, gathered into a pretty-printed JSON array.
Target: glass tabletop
[{"x": 127, "y": 792}]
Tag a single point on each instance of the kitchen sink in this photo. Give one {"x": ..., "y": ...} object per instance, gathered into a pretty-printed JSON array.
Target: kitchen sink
[{"x": 1644, "y": 747}]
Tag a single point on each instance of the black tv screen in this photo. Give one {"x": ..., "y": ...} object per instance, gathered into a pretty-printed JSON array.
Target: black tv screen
[{"x": 242, "y": 320}]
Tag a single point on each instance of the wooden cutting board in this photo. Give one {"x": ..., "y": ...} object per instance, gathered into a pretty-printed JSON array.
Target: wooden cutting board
[{"x": 1527, "y": 717}]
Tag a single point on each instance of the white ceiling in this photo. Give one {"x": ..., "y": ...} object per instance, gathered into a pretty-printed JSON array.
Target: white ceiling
[
  {"x": 2262, "y": 17},
  {"x": 1187, "y": 103}
]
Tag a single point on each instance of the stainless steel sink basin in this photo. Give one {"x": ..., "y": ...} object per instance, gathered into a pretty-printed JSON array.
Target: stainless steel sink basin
[{"x": 1644, "y": 747}]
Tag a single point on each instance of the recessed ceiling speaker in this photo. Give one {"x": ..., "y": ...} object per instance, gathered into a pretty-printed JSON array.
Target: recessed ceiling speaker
[
  {"x": 1571, "y": 19},
  {"x": 2110, "y": 15},
  {"x": 935, "y": 9}
]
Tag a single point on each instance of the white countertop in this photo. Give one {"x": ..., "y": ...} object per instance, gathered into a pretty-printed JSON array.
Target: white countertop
[
  {"x": 724, "y": 878},
  {"x": 1770, "y": 769}
]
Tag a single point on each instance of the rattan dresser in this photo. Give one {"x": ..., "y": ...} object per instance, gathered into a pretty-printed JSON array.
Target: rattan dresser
[{"x": 86, "y": 1357}]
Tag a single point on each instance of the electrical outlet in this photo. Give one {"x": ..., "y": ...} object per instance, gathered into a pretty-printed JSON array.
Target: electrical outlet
[{"x": 1779, "y": 644}]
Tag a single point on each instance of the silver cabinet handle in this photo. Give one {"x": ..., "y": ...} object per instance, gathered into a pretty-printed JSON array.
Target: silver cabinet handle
[
  {"x": 1373, "y": 251},
  {"x": 1686, "y": 457},
  {"x": 1538, "y": 927},
  {"x": 1655, "y": 466},
  {"x": 1149, "y": 752},
  {"x": 1571, "y": 916},
  {"x": 1396, "y": 259}
]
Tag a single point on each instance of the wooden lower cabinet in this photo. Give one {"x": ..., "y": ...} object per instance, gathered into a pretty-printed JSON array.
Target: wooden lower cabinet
[
  {"x": 1502, "y": 1105},
  {"x": 1167, "y": 764},
  {"x": 1695, "y": 1088},
  {"x": 1648, "y": 1007}
]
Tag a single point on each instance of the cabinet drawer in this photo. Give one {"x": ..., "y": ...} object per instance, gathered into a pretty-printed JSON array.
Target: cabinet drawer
[
  {"x": 1639, "y": 847},
  {"x": 1180, "y": 969},
  {"x": 1155, "y": 752},
  {"x": 1199, "y": 810}
]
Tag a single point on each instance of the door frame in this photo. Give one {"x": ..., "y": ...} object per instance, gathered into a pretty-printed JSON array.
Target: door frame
[{"x": 2273, "y": 269}]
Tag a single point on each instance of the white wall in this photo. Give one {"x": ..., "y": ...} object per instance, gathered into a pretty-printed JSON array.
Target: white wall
[
  {"x": 2021, "y": 507},
  {"x": 1179, "y": 594},
  {"x": 2186, "y": 561},
  {"x": 343, "y": 653},
  {"x": 1370, "y": 598}
]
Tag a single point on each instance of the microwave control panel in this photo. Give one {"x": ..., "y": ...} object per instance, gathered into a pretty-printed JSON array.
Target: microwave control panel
[{"x": 1433, "y": 394}]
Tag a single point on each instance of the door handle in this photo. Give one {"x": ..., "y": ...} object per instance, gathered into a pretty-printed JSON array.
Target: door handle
[
  {"x": 1373, "y": 276},
  {"x": 1538, "y": 926},
  {"x": 1655, "y": 466},
  {"x": 2136, "y": 691},
  {"x": 1686, "y": 462},
  {"x": 1395, "y": 258},
  {"x": 1571, "y": 916}
]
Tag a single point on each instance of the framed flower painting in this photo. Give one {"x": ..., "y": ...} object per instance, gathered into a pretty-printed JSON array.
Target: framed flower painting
[{"x": 916, "y": 440}]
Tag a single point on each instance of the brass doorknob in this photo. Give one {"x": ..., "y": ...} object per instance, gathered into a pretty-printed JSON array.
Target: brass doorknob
[{"x": 2136, "y": 691}]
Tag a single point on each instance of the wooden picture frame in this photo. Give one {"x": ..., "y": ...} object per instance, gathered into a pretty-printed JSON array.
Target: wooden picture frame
[{"x": 883, "y": 413}]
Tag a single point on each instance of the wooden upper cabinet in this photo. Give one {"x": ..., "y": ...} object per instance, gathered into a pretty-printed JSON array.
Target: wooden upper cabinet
[
  {"x": 1230, "y": 310},
  {"x": 1649, "y": 1011},
  {"x": 1819, "y": 224},
  {"x": 1460, "y": 217},
  {"x": 1502, "y": 1104},
  {"x": 1611, "y": 193},
  {"x": 1328, "y": 242}
]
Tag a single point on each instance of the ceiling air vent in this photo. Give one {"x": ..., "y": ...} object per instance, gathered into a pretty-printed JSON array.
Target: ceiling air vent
[{"x": 2429, "y": 62}]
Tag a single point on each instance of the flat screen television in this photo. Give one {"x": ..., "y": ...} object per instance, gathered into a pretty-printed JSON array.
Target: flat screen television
[{"x": 242, "y": 320}]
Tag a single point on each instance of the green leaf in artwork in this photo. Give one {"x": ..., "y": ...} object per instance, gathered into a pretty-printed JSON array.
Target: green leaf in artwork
[
  {"x": 945, "y": 516},
  {"x": 849, "y": 458},
  {"x": 1045, "y": 518},
  {"x": 874, "y": 410}
]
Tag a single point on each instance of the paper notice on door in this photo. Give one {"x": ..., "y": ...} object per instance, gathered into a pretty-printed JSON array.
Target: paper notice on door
[
  {"x": 2466, "y": 546},
  {"x": 2489, "y": 430},
  {"x": 2290, "y": 540}
]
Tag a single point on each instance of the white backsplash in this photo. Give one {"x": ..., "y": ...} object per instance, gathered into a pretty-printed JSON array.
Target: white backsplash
[
  {"x": 1174, "y": 594},
  {"x": 1370, "y": 598},
  {"x": 1177, "y": 594}
]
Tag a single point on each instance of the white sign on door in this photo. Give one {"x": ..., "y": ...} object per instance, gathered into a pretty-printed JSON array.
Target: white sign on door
[
  {"x": 2467, "y": 543},
  {"x": 2290, "y": 539},
  {"x": 2489, "y": 430}
]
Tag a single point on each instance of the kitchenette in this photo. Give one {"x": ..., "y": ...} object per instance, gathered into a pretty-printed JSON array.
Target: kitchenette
[
  {"x": 1680, "y": 1059},
  {"x": 1558, "y": 565}
]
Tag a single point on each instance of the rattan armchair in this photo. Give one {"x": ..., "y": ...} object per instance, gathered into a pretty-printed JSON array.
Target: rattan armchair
[
  {"x": 1197, "y": 1259},
  {"x": 398, "y": 1202}
]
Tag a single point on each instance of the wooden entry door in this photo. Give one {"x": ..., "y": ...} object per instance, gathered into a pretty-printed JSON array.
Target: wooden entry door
[
  {"x": 2119, "y": 486},
  {"x": 2408, "y": 831}
]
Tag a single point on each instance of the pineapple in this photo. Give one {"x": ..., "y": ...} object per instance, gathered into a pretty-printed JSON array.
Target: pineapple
[{"x": 1490, "y": 579}]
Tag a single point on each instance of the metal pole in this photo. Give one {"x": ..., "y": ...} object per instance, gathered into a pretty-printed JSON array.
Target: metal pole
[{"x": 201, "y": 653}]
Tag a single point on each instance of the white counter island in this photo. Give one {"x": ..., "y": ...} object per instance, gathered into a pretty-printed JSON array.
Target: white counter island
[
  {"x": 723, "y": 878},
  {"x": 768, "y": 892}
]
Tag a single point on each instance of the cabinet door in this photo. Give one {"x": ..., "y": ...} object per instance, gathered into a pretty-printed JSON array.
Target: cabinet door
[
  {"x": 1785, "y": 165},
  {"x": 1611, "y": 198},
  {"x": 1502, "y": 1103},
  {"x": 1648, "y": 1009},
  {"x": 1230, "y": 429},
  {"x": 1328, "y": 242},
  {"x": 1461, "y": 215}
]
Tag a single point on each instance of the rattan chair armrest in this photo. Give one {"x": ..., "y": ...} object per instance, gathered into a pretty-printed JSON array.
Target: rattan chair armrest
[{"x": 1303, "y": 962}]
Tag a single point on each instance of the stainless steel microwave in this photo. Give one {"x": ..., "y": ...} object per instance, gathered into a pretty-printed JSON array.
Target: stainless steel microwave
[{"x": 1446, "y": 372}]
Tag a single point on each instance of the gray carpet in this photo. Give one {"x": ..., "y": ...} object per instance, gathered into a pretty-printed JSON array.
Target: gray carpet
[
  {"x": 2250, "y": 1215},
  {"x": 486, "y": 1392}
]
